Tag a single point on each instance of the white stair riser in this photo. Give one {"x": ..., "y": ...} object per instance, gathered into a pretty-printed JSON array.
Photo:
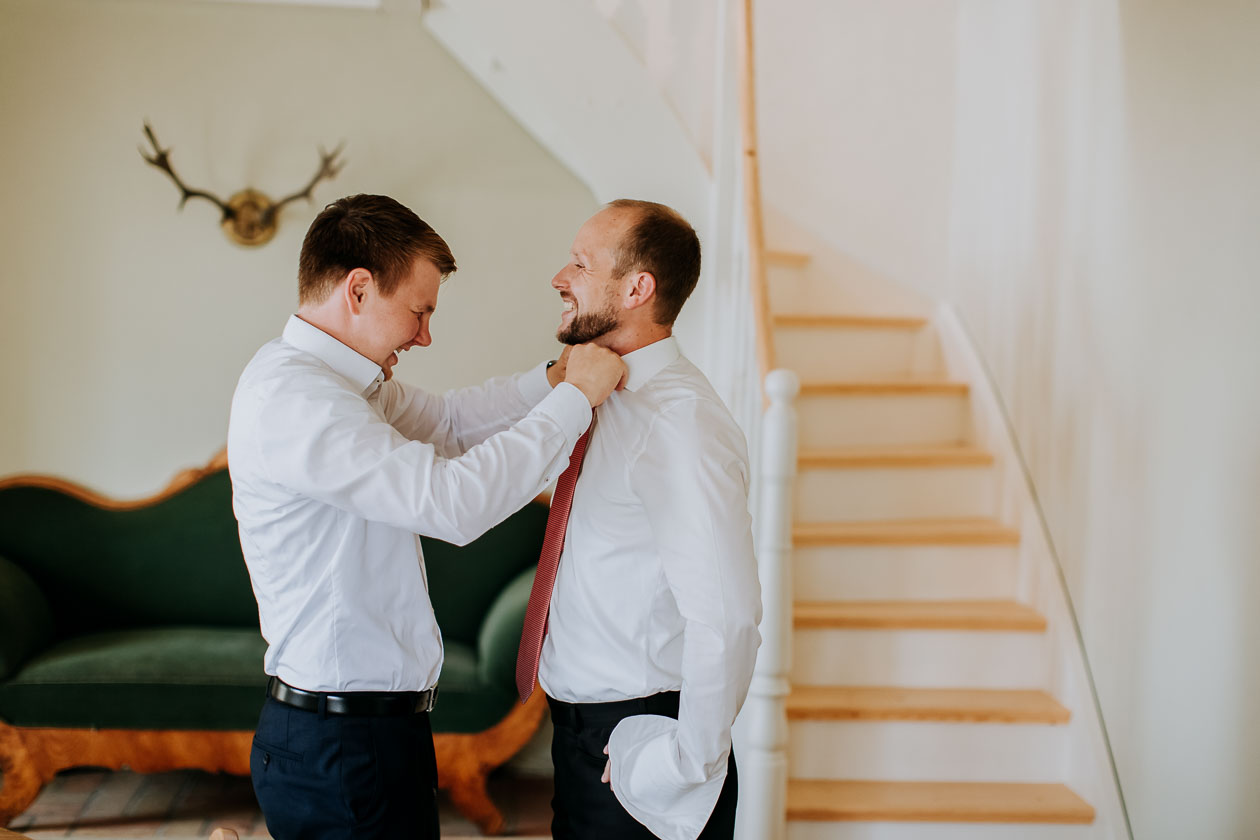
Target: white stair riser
[
  {"x": 794, "y": 289},
  {"x": 883, "y": 419},
  {"x": 854, "y": 495},
  {"x": 908, "y": 751},
  {"x": 862, "y": 353},
  {"x": 806, "y": 830},
  {"x": 893, "y": 573},
  {"x": 920, "y": 658}
]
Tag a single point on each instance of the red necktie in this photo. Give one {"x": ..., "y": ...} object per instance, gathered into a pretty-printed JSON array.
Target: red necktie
[{"x": 545, "y": 579}]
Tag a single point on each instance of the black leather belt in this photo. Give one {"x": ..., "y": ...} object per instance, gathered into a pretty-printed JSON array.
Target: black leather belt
[
  {"x": 353, "y": 702},
  {"x": 608, "y": 715}
]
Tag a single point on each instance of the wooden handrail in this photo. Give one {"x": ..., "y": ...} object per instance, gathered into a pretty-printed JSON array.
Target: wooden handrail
[{"x": 752, "y": 193}]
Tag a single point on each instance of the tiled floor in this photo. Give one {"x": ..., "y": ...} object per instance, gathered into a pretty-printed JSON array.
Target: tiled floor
[{"x": 191, "y": 804}]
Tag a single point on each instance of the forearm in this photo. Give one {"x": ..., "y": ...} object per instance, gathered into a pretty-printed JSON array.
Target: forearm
[
  {"x": 355, "y": 462},
  {"x": 458, "y": 420}
]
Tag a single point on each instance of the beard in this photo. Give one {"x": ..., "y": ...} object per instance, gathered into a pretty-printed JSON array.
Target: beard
[{"x": 588, "y": 326}]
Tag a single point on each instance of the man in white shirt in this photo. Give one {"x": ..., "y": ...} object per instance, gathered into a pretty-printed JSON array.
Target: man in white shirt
[
  {"x": 336, "y": 467},
  {"x": 648, "y": 634}
]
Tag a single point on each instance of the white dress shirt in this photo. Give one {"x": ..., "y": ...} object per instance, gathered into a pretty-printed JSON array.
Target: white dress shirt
[
  {"x": 334, "y": 473},
  {"x": 657, "y": 587}
]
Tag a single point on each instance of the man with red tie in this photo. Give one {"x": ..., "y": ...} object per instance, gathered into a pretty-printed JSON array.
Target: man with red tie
[
  {"x": 336, "y": 467},
  {"x": 642, "y": 623}
]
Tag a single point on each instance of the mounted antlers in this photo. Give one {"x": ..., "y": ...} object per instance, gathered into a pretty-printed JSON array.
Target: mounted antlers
[{"x": 249, "y": 217}]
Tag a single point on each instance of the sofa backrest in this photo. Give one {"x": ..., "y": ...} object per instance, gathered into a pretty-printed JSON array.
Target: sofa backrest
[
  {"x": 176, "y": 562},
  {"x": 463, "y": 582},
  {"x": 179, "y": 561}
]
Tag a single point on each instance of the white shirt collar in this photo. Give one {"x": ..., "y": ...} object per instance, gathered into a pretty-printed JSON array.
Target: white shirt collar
[
  {"x": 646, "y": 362},
  {"x": 363, "y": 373}
]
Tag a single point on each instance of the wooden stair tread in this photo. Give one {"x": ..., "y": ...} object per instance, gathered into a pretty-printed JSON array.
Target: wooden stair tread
[
  {"x": 841, "y": 702},
  {"x": 981, "y": 802},
  {"x": 852, "y": 320},
  {"x": 795, "y": 259},
  {"x": 963, "y": 531},
  {"x": 919, "y": 615},
  {"x": 883, "y": 387},
  {"x": 895, "y": 456}
]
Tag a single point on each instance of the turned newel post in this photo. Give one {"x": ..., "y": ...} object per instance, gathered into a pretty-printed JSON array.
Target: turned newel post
[{"x": 766, "y": 765}]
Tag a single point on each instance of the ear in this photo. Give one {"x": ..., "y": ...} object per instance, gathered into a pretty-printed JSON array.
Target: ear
[
  {"x": 640, "y": 290},
  {"x": 355, "y": 288}
]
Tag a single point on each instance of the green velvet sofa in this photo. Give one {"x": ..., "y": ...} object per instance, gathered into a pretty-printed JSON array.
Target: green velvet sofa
[{"x": 129, "y": 637}]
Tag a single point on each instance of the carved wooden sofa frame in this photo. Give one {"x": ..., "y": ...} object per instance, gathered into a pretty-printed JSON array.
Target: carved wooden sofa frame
[{"x": 31, "y": 756}]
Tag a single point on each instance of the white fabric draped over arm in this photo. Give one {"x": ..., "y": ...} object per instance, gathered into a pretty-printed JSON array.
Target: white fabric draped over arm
[{"x": 693, "y": 483}]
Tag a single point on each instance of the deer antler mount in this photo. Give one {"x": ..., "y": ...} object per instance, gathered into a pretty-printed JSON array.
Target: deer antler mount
[{"x": 249, "y": 217}]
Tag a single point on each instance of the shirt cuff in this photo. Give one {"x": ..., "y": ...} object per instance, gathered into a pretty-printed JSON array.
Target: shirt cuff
[
  {"x": 569, "y": 408},
  {"x": 534, "y": 385},
  {"x": 648, "y": 783}
]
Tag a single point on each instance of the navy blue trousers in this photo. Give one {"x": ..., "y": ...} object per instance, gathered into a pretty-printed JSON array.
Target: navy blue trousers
[
  {"x": 584, "y": 808},
  {"x": 343, "y": 776}
]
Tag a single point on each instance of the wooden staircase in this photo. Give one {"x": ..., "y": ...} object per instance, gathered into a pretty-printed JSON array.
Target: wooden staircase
[{"x": 918, "y": 706}]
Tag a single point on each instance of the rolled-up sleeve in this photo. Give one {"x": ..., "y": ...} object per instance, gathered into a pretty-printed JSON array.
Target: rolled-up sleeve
[{"x": 692, "y": 478}]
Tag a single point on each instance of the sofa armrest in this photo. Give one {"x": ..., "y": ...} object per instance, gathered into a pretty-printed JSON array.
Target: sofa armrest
[
  {"x": 500, "y": 633},
  {"x": 26, "y": 622}
]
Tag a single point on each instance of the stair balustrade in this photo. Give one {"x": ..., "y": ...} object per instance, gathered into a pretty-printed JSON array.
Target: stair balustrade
[{"x": 765, "y": 763}]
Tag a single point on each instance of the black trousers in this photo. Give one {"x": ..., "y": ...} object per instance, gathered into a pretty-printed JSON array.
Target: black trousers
[
  {"x": 322, "y": 776},
  {"x": 584, "y": 808}
]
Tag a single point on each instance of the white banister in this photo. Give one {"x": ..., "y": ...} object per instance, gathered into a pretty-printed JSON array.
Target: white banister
[{"x": 766, "y": 767}]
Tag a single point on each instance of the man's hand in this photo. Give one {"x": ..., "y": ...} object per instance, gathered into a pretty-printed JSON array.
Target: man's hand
[
  {"x": 595, "y": 371},
  {"x": 607, "y": 777},
  {"x": 555, "y": 373}
]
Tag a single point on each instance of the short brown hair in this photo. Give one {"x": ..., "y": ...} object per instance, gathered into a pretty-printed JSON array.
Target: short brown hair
[
  {"x": 374, "y": 232},
  {"x": 662, "y": 243}
]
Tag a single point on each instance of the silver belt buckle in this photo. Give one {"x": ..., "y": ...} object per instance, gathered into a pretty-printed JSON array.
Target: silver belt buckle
[{"x": 427, "y": 700}]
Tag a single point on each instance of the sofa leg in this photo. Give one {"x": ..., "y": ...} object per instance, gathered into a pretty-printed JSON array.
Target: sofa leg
[
  {"x": 464, "y": 760},
  {"x": 467, "y": 789},
  {"x": 20, "y": 779}
]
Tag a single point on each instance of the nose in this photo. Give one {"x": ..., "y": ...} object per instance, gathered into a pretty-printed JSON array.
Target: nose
[
  {"x": 423, "y": 338},
  {"x": 559, "y": 283}
]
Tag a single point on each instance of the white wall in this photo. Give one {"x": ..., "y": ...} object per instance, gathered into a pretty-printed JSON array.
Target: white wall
[
  {"x": 125, "y": 323},
  {"x": 650, "y": 113},
  {"x": 677, "y": 43},
  {"x": 1095, "y": 225},
  {"x": 855, "y": 101}
]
